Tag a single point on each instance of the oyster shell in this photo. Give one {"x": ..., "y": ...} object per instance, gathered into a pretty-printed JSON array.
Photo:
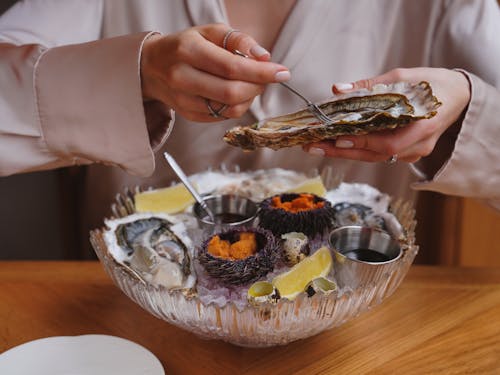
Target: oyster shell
[
  {"x": 360, "y": 112},
  {"x": 347, "y": 213},
  {"x": 155, "y": 247}
]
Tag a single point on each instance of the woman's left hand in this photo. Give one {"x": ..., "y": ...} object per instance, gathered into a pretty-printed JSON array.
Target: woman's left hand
[{"x": 409, "y": 143}]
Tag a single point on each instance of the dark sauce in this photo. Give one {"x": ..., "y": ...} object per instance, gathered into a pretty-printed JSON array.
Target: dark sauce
[
  {"x": 367, "y": 255},
  {"x": 225, "y": 218}
]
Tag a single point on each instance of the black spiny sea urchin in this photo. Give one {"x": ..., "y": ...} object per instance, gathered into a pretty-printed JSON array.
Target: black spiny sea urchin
[
  {"x": 275, "y": 215},
  {"x": 241, "y": 271}
]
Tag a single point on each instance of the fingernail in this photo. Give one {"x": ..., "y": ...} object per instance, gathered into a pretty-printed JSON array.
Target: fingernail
[
  {"x": 316, "y": 151},
  {"x": 344, "y": 143},
  {"x": 259, "y": 51},
  {"x": 282, "y": 76},
  {"x": 344, "y": 86}
]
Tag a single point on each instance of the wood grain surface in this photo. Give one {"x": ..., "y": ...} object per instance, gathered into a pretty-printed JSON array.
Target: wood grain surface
[{"x": 440, "y": 321}]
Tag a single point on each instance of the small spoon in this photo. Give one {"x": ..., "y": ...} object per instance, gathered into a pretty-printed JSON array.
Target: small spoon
[{"x": 177, "y": 169}]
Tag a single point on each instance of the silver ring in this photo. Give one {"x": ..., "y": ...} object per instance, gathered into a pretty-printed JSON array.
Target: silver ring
[
  {"x": 392, "y": 159},
  {"x": 226, "y": 37},
  {"x": 239, "y": 53},
  {"x": 216, "y": 113}
]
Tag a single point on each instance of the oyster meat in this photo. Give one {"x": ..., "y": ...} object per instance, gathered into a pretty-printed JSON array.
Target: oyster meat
[
  {"x": 154, "y": 247},
  {"x": 359, "y": 112}
]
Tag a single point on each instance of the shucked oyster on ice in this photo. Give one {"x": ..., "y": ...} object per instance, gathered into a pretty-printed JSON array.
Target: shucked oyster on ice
[
  {"x": 360, "y": 112},
  {"x": 155, "y": 247}
]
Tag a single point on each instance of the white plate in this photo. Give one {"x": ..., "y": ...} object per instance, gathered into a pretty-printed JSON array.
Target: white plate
[{"x": 80, "y": 355}]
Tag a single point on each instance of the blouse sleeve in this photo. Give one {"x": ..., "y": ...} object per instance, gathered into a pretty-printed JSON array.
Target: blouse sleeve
[
  {"x": 67, "y": 98},
  {"x": 468, "y": 38}
]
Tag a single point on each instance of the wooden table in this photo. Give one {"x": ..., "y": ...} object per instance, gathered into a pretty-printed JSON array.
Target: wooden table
[{"x": 440, "y": 321}]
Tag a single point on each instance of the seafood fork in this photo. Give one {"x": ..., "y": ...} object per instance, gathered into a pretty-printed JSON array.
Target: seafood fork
[{"x": 313, "y": 108}]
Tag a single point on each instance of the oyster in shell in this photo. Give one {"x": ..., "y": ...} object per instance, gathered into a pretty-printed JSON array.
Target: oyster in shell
[
  {"x": 346, "y": 213},
  {"x": 154, "y": 247},
  {"x": 359, "y": 112}
]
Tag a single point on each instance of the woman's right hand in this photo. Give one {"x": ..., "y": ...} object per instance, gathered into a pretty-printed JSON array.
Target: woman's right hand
[{"x": 190, "y": 71}]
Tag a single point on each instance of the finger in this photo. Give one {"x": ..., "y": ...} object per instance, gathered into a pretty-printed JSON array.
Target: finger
[
  {"x": 198, "y": 83},
  {"x": 390, "y": 142},
  {"x": 198, "y": 116},
  {"x": 247, "y": 45},
  {"x": 213, "y": 59},
  {"x": 188, "y": 103},
  {"x": 328, "y": 149},
  {"x": 206, "y": 115},
  {"x": 234, "y": 40},
  {"x": 358, "y": 155},
  {"x": 222, "y": 63},
  {"x": 391, "y": 76},
  {"x": 419, "y": 150}
]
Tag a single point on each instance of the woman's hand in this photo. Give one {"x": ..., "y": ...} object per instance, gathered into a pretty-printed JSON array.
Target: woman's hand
[
  {"x": 414, "y": 141},
  {"x": 192, "y": 73}
]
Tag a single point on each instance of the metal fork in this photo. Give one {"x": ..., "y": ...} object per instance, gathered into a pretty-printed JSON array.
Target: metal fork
[{"x": 313, "y": 108}]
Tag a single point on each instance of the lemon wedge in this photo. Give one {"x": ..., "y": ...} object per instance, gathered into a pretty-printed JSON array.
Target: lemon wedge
[
  {"x": 169, "y": 200},
  {"x": 312, "y": 186},
  {"x": 294, "y": 281}
]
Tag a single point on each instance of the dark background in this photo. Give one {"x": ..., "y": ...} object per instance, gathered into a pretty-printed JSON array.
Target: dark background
[{"x": 36, "y": 195}]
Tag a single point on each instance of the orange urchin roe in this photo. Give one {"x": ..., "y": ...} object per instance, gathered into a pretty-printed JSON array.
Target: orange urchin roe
[
  {"x": 218, "y": 247},
  {"x": 241, "y": 249},
  {"x": 303, "y": 202},
  {"x": 247, "y": 236}
]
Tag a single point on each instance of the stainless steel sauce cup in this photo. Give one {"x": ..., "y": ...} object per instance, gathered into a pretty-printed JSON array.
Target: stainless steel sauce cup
[
  {"x": 363, "y": 255},
  {"x": 231, "y": 211}
]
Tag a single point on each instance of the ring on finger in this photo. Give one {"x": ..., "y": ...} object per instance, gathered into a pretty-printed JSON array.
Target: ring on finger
[
  {"x": 392, "y": 159},
  {"x": 216, "y": 113},
  {"x": 226, "y": 37}
]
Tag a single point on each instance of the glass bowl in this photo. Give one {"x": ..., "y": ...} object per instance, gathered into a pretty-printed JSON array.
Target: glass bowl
[{"x": 266, "y": 324}]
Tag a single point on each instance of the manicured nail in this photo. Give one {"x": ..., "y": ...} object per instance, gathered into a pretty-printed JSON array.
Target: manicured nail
[
  {"x": 259, "y": 51},
  {"x": 316, "y": 151},
  {"x": 344, "y": 143},
  {"x": 344, "y": 86},
  {"x": 282, "y": 76}
]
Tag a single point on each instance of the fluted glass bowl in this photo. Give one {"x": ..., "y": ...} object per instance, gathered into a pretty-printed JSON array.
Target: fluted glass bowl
[{"x": 266, "y": 324}]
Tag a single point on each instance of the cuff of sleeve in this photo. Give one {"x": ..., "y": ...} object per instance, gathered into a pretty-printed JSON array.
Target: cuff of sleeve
[
  {"x": 90, "y": 105},
  {"x": 472, "y": 169}
]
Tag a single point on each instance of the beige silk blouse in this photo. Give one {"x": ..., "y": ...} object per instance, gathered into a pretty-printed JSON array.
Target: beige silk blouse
[{"x": 70, "y": 89}]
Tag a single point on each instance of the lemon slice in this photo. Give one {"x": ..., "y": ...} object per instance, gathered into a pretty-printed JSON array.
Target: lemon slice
[
  {"x": 312, "y": 186},
  {"x": 294, "y": 281},
  {"x": 169, "y": 200}
]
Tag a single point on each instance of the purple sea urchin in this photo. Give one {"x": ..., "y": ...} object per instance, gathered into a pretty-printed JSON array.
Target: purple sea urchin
[
  {"x": 241, "y": 271},
  {"x": 311, "y": 218}
]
